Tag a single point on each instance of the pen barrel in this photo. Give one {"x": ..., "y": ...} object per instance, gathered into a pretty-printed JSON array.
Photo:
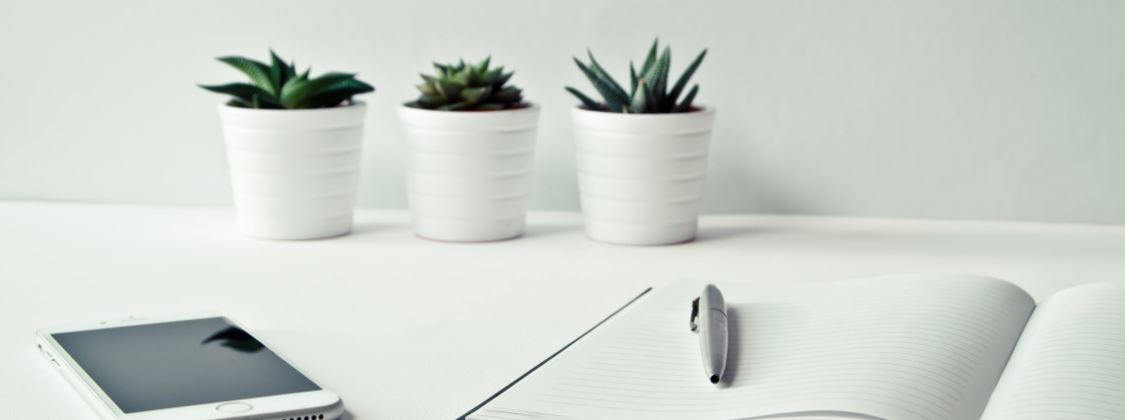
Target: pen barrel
[{"x": 714, "y": 342}]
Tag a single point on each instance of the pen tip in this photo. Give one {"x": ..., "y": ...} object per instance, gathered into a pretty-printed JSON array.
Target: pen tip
[{"x": 714, "y": 379}]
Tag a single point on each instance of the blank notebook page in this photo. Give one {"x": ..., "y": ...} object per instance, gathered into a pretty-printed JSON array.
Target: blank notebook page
[
  {"x": 1070, "y": 363},
  {"x": 905, "y": 347}
]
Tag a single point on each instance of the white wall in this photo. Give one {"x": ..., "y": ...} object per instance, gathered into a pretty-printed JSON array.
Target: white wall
[{"x": 1009, "y": 109}]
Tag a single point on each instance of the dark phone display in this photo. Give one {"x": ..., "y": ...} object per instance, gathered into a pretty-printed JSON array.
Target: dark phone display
[{"x": 181, "y": 363}]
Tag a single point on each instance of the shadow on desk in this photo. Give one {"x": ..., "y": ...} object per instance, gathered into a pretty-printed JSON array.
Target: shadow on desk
[
  {"x": 705, "y": 234},
  {"x": 365, "y": 228},
  {"x": 719, "y": 234},
  {"x": 363, "y": 231},
  {"x": 541, "y": 230}
]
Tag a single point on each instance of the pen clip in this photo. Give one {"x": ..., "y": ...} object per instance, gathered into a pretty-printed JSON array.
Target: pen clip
[{"x": 694, "y": 314}]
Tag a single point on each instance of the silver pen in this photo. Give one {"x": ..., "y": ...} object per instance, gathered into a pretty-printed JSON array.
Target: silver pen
[{"x": 709, "y": 319}]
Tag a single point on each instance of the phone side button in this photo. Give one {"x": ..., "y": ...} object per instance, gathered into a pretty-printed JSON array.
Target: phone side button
[
  {"x": 234, "y": 407},
  {"x": 56, "y": 363}
]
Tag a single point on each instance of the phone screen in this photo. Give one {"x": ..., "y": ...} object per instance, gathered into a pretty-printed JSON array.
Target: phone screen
[{"x": 180, "y": 363}]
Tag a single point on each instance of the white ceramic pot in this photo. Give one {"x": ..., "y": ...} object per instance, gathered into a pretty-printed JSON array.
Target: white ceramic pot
[
  {"x": 468, "y": 172},
  {"x": 294, "y": 172},
  {"x": 641, "y": 175}
]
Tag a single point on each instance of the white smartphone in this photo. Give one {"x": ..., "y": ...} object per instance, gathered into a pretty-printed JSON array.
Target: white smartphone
[{"x": 182, "y": 369}]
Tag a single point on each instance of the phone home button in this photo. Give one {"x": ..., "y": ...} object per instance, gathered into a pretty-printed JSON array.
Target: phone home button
[{"x": 234, "y": 407}]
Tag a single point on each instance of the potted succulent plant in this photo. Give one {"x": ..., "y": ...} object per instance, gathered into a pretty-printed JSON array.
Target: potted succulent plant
[
  {"x": 470, "y": 139},
  {"x": 293, "y": 145},
  {"x": 642, "y": 153}
]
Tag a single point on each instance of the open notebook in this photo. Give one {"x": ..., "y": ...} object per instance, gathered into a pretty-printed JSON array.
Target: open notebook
[{"x": 903, "y": 347}]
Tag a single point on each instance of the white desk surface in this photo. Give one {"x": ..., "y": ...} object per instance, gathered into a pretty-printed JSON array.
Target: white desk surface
[{"x": 346, "y": 311}]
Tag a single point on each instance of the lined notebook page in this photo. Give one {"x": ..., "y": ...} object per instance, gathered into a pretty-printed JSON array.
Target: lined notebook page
[
  {"x": 905, "y": 347},
  {"x": 1070, "y": 363}
]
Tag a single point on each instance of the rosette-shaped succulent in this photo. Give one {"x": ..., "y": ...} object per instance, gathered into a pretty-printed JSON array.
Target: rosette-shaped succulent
[{"x": 466, "y": 87}]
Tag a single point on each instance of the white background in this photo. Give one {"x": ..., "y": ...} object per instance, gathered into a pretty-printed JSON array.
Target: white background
[{"x": 1008, "y": 109}]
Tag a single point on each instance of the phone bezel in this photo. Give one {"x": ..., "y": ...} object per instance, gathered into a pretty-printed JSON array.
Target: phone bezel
[{"x": 303, "y": 403}]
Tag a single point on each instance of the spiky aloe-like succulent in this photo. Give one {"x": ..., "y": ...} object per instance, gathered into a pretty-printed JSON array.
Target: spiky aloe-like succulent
[
  {"x": 648, "y": 90},
  {"x": 279, "y": 86},
  {"x": 466, "y": 87}
]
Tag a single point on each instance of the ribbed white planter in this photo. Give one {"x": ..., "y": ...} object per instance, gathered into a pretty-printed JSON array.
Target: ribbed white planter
[
  {"x": 641, "y": 175},
  {"x": 468, "y": 172},
  {"x": 294, "y": 172}
]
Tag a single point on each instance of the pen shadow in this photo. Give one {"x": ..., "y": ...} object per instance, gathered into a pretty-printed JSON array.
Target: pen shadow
[{"x": 734, "y": 346}]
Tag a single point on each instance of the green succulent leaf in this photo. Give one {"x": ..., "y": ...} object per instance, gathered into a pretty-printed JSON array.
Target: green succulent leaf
[
  {"x": 651, "y": 104},
  {"x": 475, "y": 94},
  {"x": 337, "y": 93},
  {"x": 258, "y": 73},
  {"x": 490, "y": 77},
  {"x": 685, "y": 106},
  {"x": 660, "y": 81},
  {"x": 586, "y": 101},
  {"x": 508, "y": 94},
  {"x": 650, "y": 59},
  {"x": 442, "y": 69},
  {"x": 279, "y": 72},
  {"x": 686, "y": 76},
  {"x": 504, "y": 77},
  {"x": 602, "y": 74},
  {"x": 239, "y": 103},
  {"x": 613, "y": 99},
  {"x": 426, "y": 89},
  {"x": 632, "y": 79},
  {"x": 449, "y": 89},
  {"x": 459, "y": 106},
  {"x": 294, "y": 93},
  {"x": 431, "y": 101},
  {"x": 464, "y": 76},
  {"x": 244, "y": 92},
  {"x": 640, "y": 99}
]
